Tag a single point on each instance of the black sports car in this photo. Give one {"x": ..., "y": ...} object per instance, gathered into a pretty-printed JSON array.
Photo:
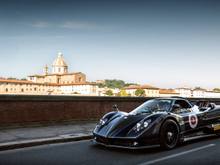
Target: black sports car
[{"x": 160, "y": 121}]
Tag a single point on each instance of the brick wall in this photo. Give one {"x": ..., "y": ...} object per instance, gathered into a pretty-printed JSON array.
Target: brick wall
[{"x": 26, "y": 110}]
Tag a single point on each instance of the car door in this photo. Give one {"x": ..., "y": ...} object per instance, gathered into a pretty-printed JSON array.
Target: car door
[
  {"x": 192, "y": 120},
  {"x": 211, "y": 115}
]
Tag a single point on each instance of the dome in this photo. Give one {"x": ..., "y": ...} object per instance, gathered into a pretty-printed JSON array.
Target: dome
[{"x": 60, "y": 61}]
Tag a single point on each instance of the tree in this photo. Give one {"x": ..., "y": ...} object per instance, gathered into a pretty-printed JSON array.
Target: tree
[
  {"x": 109, "y": 92},
  {"x": 114, "y": 83},
  {"x": 216, "y": 89},
  {"x": 129, "y": 84},
  {"x": 12, "y": 78},
  {"x": 140, "y": 92},
  {"x": 101, "y": 85},
  {"x": 75, "y": 92},
  {"x": 122, "y": 93}
]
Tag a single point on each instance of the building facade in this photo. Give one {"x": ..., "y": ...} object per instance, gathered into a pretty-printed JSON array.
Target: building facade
[
  {"x": 198, "y": 92},
  {"x": 59, "y": 74},
  {"x": 86, "y": 89},
  {"x": 212, "y": 94},
  {"x": 59, "y": 81},
  {"x": 27, "y": 87},
  {"x": 184, "y": 92},
  {"x": 150, "y": 91},
  {"x": 168, "y": 93}
]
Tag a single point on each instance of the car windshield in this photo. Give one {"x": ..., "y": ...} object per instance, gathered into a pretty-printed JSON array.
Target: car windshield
[{"x": 153, "y": 106}]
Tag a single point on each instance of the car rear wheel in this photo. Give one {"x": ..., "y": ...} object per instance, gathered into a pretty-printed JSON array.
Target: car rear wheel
[{"x": 169, "y": 134}]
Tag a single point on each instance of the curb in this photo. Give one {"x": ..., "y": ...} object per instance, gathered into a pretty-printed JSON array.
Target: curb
[{"x": 36, "y": 142}]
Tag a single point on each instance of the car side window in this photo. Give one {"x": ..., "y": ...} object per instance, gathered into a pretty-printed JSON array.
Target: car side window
[{"x": 183, "y": 104}]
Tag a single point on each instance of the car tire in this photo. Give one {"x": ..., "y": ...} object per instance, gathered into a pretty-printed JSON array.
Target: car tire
[{"x": 169, "y": 134}]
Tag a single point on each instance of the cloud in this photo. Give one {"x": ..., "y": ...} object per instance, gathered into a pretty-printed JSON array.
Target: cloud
[
  {"x": 79, "y": 25},
  {"x": 40, "y": 24}
]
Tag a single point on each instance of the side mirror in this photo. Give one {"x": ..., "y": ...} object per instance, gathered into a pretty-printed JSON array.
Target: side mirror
[{"x": 115, "y": 107}]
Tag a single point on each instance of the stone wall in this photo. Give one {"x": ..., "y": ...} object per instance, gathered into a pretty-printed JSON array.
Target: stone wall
[{"x": 25, "y": 110}]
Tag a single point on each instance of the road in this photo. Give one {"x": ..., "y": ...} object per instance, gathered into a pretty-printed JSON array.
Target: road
[{"x": 203, "y": 151}]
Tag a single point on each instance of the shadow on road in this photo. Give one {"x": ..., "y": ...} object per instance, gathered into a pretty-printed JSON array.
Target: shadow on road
[{"x": 151, "y": 150}]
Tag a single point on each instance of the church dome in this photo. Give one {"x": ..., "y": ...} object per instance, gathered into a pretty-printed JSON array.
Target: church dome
[{"x": 60, "y": 61}]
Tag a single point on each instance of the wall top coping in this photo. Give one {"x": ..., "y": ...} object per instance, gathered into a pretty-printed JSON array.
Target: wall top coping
[{"x": 49, "y": 98}]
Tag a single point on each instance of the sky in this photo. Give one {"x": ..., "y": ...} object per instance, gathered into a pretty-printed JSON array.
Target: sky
[{"x": 167, "y": 44}]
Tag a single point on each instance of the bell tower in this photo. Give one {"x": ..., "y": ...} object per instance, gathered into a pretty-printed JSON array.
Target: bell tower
[{"x": 45, "y": 70}]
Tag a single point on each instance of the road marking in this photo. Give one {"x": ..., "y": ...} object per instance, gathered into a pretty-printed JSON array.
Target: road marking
[{"x": 176, "y": 155}]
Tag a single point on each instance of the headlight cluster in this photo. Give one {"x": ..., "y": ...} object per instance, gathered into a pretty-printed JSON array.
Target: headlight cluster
[
  {"x": 102, "y": 121},
  {"x": 141, "y": 125}
]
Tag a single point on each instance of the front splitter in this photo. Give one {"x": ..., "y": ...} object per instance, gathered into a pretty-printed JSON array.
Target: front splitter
[{"x": 125, "y": 147}]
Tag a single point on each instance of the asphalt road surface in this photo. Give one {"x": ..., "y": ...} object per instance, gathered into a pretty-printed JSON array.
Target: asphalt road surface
[{"x": 197, "y": 152}]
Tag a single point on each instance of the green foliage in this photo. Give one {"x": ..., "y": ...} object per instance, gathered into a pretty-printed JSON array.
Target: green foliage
[
  {"x": 122, "y": 93},
  {"x": 114, "y": 83},
  {"x": 216, "y": 89},
  {"x": 100, "y": 85},
  {"x": 139, "y": 92},
  {"x": 109, "y": 93},
  {"x": 12, "y": 78},
  {"x": 128, "y": 84}
]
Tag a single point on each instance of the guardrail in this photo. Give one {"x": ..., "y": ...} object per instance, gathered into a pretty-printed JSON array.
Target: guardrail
[{"x": 28, "y": 109}]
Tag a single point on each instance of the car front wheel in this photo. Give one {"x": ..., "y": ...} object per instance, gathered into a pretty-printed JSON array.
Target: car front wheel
[{"x": 169, "y": 134}]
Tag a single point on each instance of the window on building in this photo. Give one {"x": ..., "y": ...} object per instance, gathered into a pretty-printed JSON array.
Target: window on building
[
  {"x": 6, "y": 90},
  {"x": 58, "y": 80},
  {"x": 22, "y": 90},
  {"x": 59, "y": 69}
]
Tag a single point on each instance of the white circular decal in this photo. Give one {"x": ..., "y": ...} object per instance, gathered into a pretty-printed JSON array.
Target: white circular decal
[{"x": 193, "y": 121}]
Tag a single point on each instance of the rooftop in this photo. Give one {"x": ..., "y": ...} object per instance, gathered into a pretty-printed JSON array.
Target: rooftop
[
  {"x": 51, "y": 84},
  {"x": 55, "y": 74},
  {"x": 146, "y": 86},
  {"x": 167, "y": 91},
  {"x": 24, "y": 82}
]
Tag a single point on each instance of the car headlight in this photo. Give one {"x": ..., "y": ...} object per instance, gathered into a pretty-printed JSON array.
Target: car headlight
[
  {"x": 142, "y": 125},
  {"x": 103, "y": 121}
]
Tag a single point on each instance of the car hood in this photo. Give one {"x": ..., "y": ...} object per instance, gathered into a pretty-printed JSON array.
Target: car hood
[{"x": 121, "y": 123}]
